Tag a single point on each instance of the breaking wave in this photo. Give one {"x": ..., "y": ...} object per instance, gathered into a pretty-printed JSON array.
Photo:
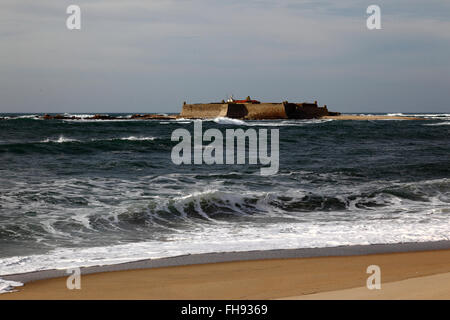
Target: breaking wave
[
  {"x": 219, "y": 221},
  {"x": 133, "y": 138},
  {"x": 61, "y": 139},
  {"x": 400, "y": 201},
  {"x": 224, "y": 120},
  {"x": 268, "y": 123},
  {"x": 446, "y": 123},
  {"x": 396, "y": 114}
]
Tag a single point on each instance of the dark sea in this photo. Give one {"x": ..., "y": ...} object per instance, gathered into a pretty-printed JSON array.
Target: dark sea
[{"x": 83, "y": 192}]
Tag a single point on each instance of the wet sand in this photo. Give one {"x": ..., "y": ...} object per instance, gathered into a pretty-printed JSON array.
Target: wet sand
[
  {"x": 436, "y": 287},
  {"x": 404, "y": 275}
]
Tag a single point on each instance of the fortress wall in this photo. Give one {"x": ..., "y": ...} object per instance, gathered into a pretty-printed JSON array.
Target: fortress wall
[
  {"x": 314, "y": 111},
  {"x": 253, "y": 111},
  {"x": 237, "y": 110},
  {"x": 266, "y": 111},
  {"x": 234, "y": 110},
  {"x": 204, "y": 110},
  {"x": 308, "y": 111}
]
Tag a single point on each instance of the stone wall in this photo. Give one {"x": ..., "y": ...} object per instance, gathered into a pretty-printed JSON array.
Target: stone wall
[
  {"x": 266, "y": 111},
  {"x": 257, "y": 111},
  {"x": 204, "y": 110},
  {"x": 305, "y": 111}
]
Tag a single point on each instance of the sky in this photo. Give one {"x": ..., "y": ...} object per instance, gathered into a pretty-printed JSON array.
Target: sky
[{"x": 150, "y": 56}]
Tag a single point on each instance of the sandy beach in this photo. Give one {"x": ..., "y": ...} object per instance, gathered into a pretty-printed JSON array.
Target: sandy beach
[
  {"x": 249, "y": 153},
  {"x": 436, "y": 287},
  {"x": 404, "y": 275}
]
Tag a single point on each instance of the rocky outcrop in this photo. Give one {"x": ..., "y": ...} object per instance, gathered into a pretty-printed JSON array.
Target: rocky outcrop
[
  {"x": 108, "y": 117},
  {"x": 305, "y": 110},
  {"x": 152, "y": 117}
]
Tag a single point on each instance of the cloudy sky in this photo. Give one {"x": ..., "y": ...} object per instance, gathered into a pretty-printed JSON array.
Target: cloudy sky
[{"x": 150, "y": 56}]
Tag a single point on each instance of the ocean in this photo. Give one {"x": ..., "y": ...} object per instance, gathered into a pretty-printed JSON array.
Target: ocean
[{"x": 83, "y": 192}]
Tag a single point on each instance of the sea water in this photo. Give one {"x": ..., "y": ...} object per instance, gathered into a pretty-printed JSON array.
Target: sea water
[{"x": 83, "y": 192}]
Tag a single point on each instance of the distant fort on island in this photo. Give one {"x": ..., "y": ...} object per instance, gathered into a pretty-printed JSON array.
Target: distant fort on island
[
  {"x": 247, "y": 109},
  {"x": 250, "y": 109}
]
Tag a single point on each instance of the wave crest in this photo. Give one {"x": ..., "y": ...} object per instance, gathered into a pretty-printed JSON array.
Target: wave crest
[{"x": 61, "y": 139}]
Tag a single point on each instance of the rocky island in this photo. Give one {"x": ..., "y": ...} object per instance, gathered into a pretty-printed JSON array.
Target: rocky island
[
  {"x": 249, "y": 109},
  {"x": 108, "y": 117}
]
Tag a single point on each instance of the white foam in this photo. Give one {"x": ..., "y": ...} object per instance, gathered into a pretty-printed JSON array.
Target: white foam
[
  {"x": 81, "y": 116},
  {"x": 268, "y": 123},
  {"x": 446, "y": 123},
  {"x": 442, "y": 116},
  {"x": 182, "y": 119},
  {"x": 133, "y": 138},
  {"x": 88, "y": 120},
  {"x": 403, "y": 220},
  {"x": 61, "y": 139},
  {"x": 28, "y": 116},
  {"x": 435, "y": 116},
  {"x": 8, "y": 286},
  {"x": 225, "y": 120},
  {"x": 222, "y": 238}
]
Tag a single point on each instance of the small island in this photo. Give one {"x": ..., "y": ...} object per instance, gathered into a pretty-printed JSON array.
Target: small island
[{"x": 250, "y": 109}]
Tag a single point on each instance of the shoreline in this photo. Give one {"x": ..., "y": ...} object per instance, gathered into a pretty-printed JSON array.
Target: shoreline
[
  {"x": 409, "y": 274},
  {"x": 237, "y": 256}
]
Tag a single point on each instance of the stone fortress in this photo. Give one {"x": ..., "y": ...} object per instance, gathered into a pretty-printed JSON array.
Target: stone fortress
[{"x": 249, "y": 109}]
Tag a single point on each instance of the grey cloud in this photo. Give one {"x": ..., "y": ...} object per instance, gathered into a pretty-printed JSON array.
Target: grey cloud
[{"x": 149, "y": 56}]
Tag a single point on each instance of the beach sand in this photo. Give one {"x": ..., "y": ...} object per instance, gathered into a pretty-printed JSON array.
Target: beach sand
[
  {"x": 369, "y": 117},
  {"x": 407, "y": 275},
  {"x": 429, "y": 287}
]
